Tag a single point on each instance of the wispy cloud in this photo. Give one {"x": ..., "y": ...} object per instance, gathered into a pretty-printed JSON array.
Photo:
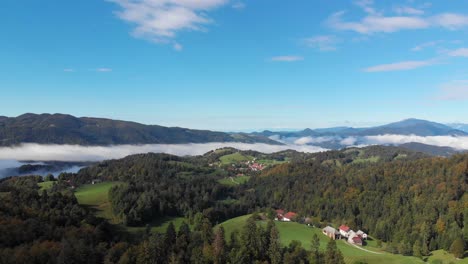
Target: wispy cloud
[
  {"x": 453, "y": 91},
  {"x": 161, "y": 20},
  {"x": 462, "y": 52},
  {"x": 68, "y": 70},
  {"x": 400, "y": 66},
  {"x": 425, "y": 45},
  {"x": 373, "y": 23},
  {"x": 177, "y": 46},
  {"x": 289, "y": 58},
  {"x": 103, "y": 69},
  {"x": 407, "y": 10},
  {"x": 456, "y": 142},
  {"x": 322, "y": 43},
  {"x": 238, "y": 5}
]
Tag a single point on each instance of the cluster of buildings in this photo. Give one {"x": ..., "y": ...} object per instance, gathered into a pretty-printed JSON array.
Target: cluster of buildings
[
  {"x": 347, "y": 233},
  {"x": 284, "y": 217},
  {"x": 255, "y": 166}
]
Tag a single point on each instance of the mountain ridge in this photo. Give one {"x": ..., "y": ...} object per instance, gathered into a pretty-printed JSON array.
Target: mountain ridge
[{"x": 68, "y": 129}]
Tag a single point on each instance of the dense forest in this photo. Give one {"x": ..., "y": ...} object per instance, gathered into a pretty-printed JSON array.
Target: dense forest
[
  {"x": 419, "y": 204},
  {"x": 411, "y": 202}
]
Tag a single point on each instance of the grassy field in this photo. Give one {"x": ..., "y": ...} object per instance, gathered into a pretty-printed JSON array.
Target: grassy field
[
  {"x": 295, "y": 231},
  {"x": 373, "y": 159},
  {"x": 45, "y": 185},
  {"x": 234, "y": 158},
  {"x": 445, "y": 258},
  {"x": 160, "y": 225},
  {"x": 233, "y": 181},
  {"x": 96, "y": 197}
]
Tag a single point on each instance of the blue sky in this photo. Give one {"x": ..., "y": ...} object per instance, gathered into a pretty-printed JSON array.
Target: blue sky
[{"x": 236, "y": 65}]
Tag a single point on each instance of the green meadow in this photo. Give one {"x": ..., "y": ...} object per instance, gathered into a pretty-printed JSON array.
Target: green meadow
[
  {"x": 96, "y": 197},
  {"x": 290, "y": 231}
]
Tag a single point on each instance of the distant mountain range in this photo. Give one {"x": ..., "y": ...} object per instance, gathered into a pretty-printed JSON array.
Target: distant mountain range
[
  {"x": 459, "y": 126},
  {"x": 67, "y": 129},
  {"x": 340, "y": 137},
  {"x": 411, "y": 126}
]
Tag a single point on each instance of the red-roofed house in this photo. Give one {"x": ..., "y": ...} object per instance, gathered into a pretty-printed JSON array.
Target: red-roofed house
[
  {"x": 289, "y": 216},
  {"x": 279, "y": 215},
  {"x": 344, "y": 230},
  {"x": 356, "y": 240}
]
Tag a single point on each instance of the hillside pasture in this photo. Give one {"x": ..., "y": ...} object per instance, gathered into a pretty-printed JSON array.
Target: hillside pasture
[{"x": 290, "y": 231}]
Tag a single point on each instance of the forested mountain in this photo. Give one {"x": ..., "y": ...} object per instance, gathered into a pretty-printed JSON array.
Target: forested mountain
[
  {"x": 410, "y": 201},
  {"x": 429, "y": 149},
  {"x": 67, "y": 129},
  {"x": 421, "y": 202}
]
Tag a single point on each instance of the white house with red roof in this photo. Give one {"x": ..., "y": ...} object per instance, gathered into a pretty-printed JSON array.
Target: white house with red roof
[
  {"x": 281, "y": 216},
  {"x": 344, "y": 230}
]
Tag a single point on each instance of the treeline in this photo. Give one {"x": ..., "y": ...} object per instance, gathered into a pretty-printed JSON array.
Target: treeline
[
  {"x": 202, "y": 245},
  {"x": 49, "y": 227},
  {"x": 416, "y": 206}
]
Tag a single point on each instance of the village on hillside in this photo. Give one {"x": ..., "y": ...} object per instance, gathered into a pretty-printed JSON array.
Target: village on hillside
[{"x": 343, "y": 232}]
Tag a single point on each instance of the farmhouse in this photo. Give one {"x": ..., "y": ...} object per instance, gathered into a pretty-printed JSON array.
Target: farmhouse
[
  {"x": 361, "y": 234},
  {"x": 344, "y": 230},
  {"x": 281, "y": 216},
  {"x": 331, "y": 232},
  {"x": 356, "y": 240}
]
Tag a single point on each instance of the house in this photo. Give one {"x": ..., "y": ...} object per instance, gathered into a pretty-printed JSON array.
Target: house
[
  {"x": 288, "y": 217},
  {"x": 361, "y": 234},
  {"x": 281, "y": 216},
  {"x": 95, "y": 181},
  {"x": 344, "y": 230},
  {"x": 331, "y": 232},
  {"x": 256, "y": 167},
  {"x": 355, "y": 239}
]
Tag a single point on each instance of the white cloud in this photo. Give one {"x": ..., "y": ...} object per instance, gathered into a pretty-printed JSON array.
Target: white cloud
[
  {"x": 450, "y": 21},
  {"x": 406, "y": 10},
  {"x": 454, "y": 91},
  {"x": 462, "y": 52},
  {"x": 349, "y": 141},
  {"x": 311, "y": 140},
  {"x": 40, "y": 152},
  {"x": 238, "y": 5},
  {"x": 322, "y": 43},
  {"x": 426, "y": 45},
  {"x": 103, "y": 69},
  {"x": 68, "y": 70},
  {"x": 376, "y": 23},
  {"x": 366, "y": 6},
  {"x": 161, "y": 20},
  {"x": 460, "y": 143},
  {"x": 178, "y": 47},
  {"x": 288, "y": 58},
  {"x": 400, "y": 66}
]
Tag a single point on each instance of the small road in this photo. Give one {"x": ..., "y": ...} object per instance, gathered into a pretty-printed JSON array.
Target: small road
[
  {"x": 373, "y": 252},
  {"x": 232, "y": 179}
]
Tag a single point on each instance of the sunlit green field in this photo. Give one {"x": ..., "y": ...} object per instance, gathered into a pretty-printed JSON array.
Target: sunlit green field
[
  {"x": 45, "y": 185},
  {"x": 234, "y": 180},
  {"x": 96, "y": 196},
  {"x": 234, "y": 158},
  {"x": 290, "y": 231}
]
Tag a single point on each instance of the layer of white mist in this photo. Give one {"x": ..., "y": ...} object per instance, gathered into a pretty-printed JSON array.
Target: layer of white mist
[
  {"x": 38, "y": 152},
  {"x": 456, "y": 142}
]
